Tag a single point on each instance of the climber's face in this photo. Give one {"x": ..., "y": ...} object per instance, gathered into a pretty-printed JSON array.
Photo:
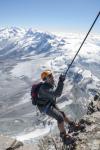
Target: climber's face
[{"x": 50, "y": 79}]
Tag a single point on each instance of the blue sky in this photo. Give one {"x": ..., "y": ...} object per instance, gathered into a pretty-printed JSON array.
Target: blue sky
[{"x": 50, "y": 15}]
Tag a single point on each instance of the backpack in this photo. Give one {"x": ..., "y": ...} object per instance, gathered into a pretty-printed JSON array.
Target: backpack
[{"x": 34, "y": 92}]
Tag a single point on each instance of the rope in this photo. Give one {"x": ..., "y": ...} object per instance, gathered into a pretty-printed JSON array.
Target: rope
[{"x": 82, "y": 42}]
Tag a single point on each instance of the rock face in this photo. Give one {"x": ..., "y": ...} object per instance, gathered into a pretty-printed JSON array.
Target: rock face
[{"x": 90, "y": 140}]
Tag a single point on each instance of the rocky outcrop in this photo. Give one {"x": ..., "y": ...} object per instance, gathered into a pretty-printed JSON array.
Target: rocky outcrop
[
  {"x": 91, "y": 138},
  {"x": 88, "y": 140}
]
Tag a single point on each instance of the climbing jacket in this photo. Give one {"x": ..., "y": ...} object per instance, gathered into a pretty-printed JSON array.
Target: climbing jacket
[{"x": 47, "y": 94}]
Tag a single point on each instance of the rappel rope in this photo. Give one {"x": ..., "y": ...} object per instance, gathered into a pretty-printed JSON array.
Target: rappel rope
[{"x": 82, "y": 43}]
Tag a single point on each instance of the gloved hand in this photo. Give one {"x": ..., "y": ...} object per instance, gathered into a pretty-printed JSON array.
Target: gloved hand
[{"x": 62, "y": 78}]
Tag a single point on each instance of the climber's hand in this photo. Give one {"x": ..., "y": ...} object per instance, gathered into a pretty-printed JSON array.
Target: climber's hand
[{"x": 62, "y": 78}]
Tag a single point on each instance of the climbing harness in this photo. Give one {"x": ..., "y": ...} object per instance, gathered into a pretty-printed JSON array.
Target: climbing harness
[{"x": 45, "y": 110}]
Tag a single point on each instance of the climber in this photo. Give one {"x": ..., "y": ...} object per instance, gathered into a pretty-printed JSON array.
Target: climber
[{"x": 47, "y": 103}]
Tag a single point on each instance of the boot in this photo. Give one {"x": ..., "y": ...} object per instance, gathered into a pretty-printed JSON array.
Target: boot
[{"x": 67, "y": 139}]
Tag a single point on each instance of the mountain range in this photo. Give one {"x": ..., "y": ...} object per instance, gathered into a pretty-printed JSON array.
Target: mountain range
[{"x": 24, "y": 54}]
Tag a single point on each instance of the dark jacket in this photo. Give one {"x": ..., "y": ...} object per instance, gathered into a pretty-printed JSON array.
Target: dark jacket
[{"x": 47, "y": 94}]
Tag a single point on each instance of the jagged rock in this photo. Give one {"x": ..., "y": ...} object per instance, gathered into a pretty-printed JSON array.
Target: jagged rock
[
  {"x": 91, "y": 139},
  {"x": 6, "y": 142}
]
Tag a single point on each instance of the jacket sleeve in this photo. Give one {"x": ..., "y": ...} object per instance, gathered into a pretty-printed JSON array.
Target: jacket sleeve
[{"x": 50, "y": 94}]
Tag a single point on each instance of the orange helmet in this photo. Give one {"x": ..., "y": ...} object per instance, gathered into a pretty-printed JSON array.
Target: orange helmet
[{"x": 45, "y": 74}]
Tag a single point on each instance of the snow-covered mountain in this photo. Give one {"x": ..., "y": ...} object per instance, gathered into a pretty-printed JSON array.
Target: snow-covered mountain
[{"x": 24, "y": 53}]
